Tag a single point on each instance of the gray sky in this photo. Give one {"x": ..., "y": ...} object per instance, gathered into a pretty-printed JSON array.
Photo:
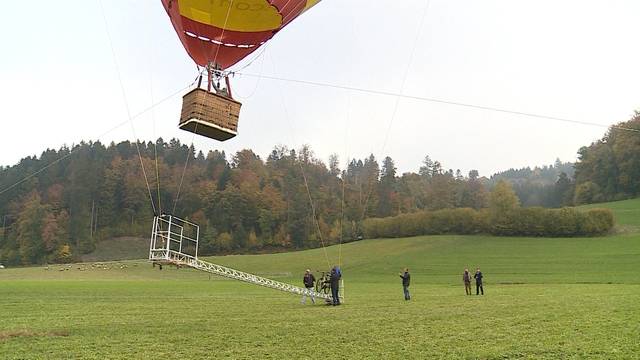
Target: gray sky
[{"x": 570, "y": 59}]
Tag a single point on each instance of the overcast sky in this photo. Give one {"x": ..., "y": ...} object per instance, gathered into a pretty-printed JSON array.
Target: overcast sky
[{"x": 570, "y": 59}]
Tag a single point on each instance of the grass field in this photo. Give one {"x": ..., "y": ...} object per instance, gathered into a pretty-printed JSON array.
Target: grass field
[{"x": 545, "y": 299}]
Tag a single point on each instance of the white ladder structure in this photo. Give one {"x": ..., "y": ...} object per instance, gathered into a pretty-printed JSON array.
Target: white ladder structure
[{"x": 175, "y": 241}]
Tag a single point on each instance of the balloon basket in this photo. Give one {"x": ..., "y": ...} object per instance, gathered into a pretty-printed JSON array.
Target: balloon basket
[{"x": 209, "y": 114}]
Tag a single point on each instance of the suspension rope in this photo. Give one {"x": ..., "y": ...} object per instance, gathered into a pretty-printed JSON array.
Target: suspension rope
[
  {"x": 344, "y": 175},
  {"x": 344, "y": 178},
  {"x": 195, "y": 130},
  {"x": 157, "y": 172},
  {"x": 304, "y": 176},
  {"x": 256, "y": 57},
  {"x": 153, "y": 114},
  {"x": 184, "y": 170},
  {"x": 306, "y": 183},
  {"x": 114, "y": 128},
  {"x": 442, "y": 101},
  {"x": 342, "y": 217},
  {"x": 126, "y": 103},
  {"x": 255, "y": 88},
  {"x": 397, "y": 102},
  {"x": 215, "y": 57},
  {"x": 313, "y": 213}
]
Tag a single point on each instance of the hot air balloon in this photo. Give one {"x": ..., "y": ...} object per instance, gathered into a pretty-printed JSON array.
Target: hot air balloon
[{"x": 217, "y": 34}]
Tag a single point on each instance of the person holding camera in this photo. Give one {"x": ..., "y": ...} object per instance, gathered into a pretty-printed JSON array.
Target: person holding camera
[
  {"x": 406, "y": 280},
  {"x": 478, "y": 277}
]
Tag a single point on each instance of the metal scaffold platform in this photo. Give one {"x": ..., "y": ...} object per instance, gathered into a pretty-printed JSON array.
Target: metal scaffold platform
[{"x": 175, "y": 241}]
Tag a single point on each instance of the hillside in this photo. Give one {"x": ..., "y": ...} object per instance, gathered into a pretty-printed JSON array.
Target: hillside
[
  {"x": 449, "y": 251},
  {"x": 544, "y": 299},
  {"x": 433, "y": 259},
  {"x": 627, "y": 212},
  {"x": 121, "y": 248}
]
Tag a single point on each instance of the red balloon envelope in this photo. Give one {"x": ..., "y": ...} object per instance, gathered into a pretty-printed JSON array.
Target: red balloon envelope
[{"x": 223, "y": 32}]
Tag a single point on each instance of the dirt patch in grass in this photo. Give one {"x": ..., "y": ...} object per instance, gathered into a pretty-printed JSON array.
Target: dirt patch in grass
[{"x": 9, "y": 334}]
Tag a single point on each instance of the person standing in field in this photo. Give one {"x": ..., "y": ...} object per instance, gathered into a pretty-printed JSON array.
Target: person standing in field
[
  {"x": 336, "y": 275},
  {"x": 406, "y": 280},
  {"x": 466, "y": 278},
  {"x": 478, "y": 277},
  {"x": 309, "y": 281}
]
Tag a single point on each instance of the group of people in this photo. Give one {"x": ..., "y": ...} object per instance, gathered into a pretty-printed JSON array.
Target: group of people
[
  {"x": 334, "y": 279},
  {"x": 309, "y": 283},
  {"x": 466, "y": 278}
]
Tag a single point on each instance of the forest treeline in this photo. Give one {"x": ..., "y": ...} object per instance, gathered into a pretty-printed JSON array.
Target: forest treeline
[
  {"x": 545, "y": 186},
  {"x": 606, "y": 170},
  {"x": 609, "y": 169},
  {"x": 57, "y": 206}
]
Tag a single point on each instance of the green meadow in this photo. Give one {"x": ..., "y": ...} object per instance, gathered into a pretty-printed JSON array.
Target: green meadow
[{"x": 545, "y": 298}]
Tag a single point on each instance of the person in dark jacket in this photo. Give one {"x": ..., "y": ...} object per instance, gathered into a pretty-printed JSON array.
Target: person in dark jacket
[
  {"x": 478, "y": 277},
  {"x": 466, "y": 278},
  {"x": 406, "y": 280},
  {"x": 336, "y": 275},
  {"x": 309, "y": 282}
]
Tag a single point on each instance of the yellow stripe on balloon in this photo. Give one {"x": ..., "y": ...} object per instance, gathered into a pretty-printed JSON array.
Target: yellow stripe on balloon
[
  {"x": 310, "y": 4},
  {"x": 238, "y": 15}
]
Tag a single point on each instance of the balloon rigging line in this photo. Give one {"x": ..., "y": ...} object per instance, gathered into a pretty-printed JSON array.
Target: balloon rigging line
[
  {"x": 262, "y": 51},
  {"x": 126, "y": 104},
  {"x": 153, "y": 113},
  {"x": 304, "y": 176},
  {"x": 397, "y": 102},
  {"x": 215, "y": 57},
  {"x": 441, "y": 101},
  {"x": 255, "y": 88},
  {"x": 343, "y": 176},
  {"x": 184, "y": 170},
  {"x": 121, "y": 124}
]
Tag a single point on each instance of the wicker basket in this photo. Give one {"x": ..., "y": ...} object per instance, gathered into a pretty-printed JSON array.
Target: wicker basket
[{"x": 210, "y": 115}]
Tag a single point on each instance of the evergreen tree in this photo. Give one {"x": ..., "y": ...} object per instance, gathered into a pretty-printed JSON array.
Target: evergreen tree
[
  {"x": 387, "y": 189},
  {"x": 563, "y": 194}
]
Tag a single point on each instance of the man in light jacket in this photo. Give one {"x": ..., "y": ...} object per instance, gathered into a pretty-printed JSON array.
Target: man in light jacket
[{"x": 466, "y": 278}]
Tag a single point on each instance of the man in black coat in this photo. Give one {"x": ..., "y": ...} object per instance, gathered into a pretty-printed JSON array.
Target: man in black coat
[
  {"x": 309, "y": 281},
  {"x": 406, "y": 280},
  {"x": 478, "y": 277},
  {"x": 336, "y": 275}
]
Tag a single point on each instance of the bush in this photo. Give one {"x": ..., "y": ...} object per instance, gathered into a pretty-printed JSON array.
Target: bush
[
  {"x": 597, "y": 222},
  {"x": 534, "y": 221}
]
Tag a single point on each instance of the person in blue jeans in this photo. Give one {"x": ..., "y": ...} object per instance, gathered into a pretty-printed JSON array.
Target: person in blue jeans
[
  {"x": 336, "y": 275},
  {"x": 406, "y": 279},
  {"x": 309, "y": 282},
  {"x": 478, "y": 277}
]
